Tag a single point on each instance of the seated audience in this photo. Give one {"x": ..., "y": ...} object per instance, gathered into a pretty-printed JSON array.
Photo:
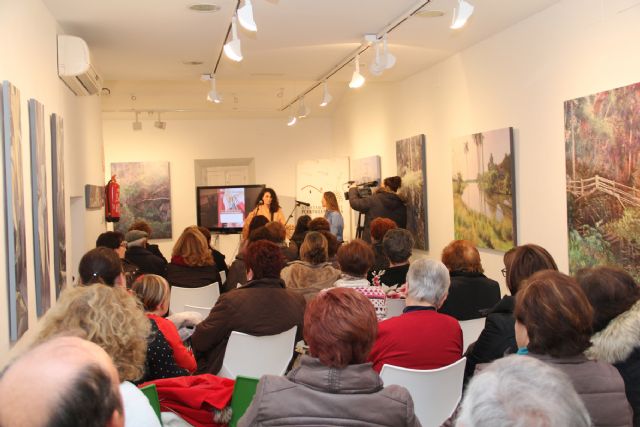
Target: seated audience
[
  {"x": 498, "y": 336},
  {"x": 332, "y": 247},
  {"x": 313, "y": 273},
  {"x": 301, "y": 230},
  {"x": 261, "y": 307},
  {"x": 420, "y": 338},
  {"x": 615, "y": 298},
  {"x": 112, "y": 319},
  {"x": 471, "y": 293},
  {"x": 319, "y": 224},
  {"x": 522, "y": 391},
  {"x": 379, "y": 227},
  {"x": 398, "y": 244},
  {"x": 278, "y": 236},
  {"x": 218, "y": 257},
  {"x": 101, "y": 265},
  {"x": 553, "y": 321},
  {"x": 237, "y": 274},
  {"x": 138, "y": 254},
  {"x": 115, "y": 240},
  {"x": 143, "y": 225},
  {"x": 191, "y": 263},
  {"x": 154, "y": 293},
  {"x": 355, "y": 259},
  {"x": 333, "y": 386},
  {"x": 65, "y": 381}
]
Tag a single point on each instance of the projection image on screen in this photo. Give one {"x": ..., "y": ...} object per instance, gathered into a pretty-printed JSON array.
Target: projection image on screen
[{"x": 222, "y": 209}]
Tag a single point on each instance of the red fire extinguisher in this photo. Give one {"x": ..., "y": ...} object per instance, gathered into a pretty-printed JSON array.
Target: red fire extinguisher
[{"x": 112, "y": 205}]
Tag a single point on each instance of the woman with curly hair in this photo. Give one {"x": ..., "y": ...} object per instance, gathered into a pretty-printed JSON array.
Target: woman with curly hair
[
  {"x": 112, "y": 319},
  {"x": 191, "y": 263},
  {"x": 268, "y": 206}
]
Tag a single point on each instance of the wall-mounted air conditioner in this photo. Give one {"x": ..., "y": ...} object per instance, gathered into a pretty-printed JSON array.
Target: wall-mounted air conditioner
[{"x": 74, "y": 66}]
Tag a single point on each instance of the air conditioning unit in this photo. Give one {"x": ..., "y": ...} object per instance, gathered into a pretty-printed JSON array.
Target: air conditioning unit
[{"x": 75, "y": 68}]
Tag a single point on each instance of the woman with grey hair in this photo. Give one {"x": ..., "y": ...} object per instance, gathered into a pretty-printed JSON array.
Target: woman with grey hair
[
  {"x": 397, "y": 245},
  {"x": 420, "y": 338}
]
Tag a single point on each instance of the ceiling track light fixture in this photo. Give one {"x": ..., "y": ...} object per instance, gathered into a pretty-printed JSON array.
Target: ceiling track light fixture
[
  {"x": 232, "y": 49},
  {"x": 461, "y": 14},
  {"x": 137, "y": 124},
  {"x": 326, "y": 96},
  {"x": 159, "y": 123},
  {"x": 303, "y": 110},
  {"x": 357, "y": 79},
  {"x": 292, "y": 120},
  {"x": 245, "y": 17},
  {"x": 212, "y": 95}
]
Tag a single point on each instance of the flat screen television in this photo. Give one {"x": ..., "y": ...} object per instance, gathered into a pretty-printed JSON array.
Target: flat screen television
[{"x": 222, "y": 209}]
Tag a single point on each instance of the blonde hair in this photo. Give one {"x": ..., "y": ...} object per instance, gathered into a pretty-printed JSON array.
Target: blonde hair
[
  {"x": 193, "y": 248},
  {"x": 152, "y": 290},
  {"x": 106, "y": 316}
]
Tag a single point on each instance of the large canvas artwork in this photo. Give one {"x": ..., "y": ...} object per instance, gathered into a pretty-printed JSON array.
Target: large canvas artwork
[
  {"x": 58, "y": 196},
  {"x": 602, "y": 145},
  {"x": 145, "y": 193},
  {"x": 40, "y": 211},
  {"x": 15, "y": 244},
  {"x": 412, "y": 168},
  {"x": 484, "y": 197}
]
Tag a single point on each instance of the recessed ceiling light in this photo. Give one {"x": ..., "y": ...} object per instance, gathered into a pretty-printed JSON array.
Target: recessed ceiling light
[
  {"x": 192, "y": 62},
  {"x": 429, "y": 13},
  {"x": 204, "y": 7}
]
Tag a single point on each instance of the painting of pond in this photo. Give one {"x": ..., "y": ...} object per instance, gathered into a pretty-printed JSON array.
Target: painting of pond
[{"x": 484, "y": 189}]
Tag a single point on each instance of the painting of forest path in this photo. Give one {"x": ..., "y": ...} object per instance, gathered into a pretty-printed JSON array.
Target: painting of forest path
[
  {"x": 412, "y": 168},
  {"x": 484, "y": 190},
  {"x": 602, "y": 145},
  {"x": 145, "y": 193}
]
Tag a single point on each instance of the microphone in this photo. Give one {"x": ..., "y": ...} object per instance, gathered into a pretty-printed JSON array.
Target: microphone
[
  {"x": 350, "y": 182},
  {"x": 369, "y": 184},
  {"x": 298, "y": 202},
  {"x": 261, "y": 202}
]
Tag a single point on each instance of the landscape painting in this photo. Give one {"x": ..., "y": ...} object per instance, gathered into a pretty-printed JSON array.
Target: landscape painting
[
  {"x": 412, "y": 168},
  {"x": 39, "y": 207},
  {"x": 484, "y": 196},
  {"x": 58, "y": 197},
  {"x": 145, "y": 193},
  {"x": 602, "y": 146}
]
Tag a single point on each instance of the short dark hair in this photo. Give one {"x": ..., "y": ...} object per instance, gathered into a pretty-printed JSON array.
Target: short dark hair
[
  {"x": 319, "y": 224},
  {"x": 110, "y": 239},
  {"x": 89, "y": 400},
  {"x": 611, "y": 292},
  {"x": 265, "y": 259},
  {"x": 277, "y": 231},
  {"x": 355, "y": 258},
  {"x": 257, "y": 222},
  {"x": 393, "y": 183},
  {"x": 526, "y": 260},
  {"x": 314, "y": 248},
  {"x": 332, "y": 243},
  {"x": 302, "y": 225},
  {"x": 379, "y": 227},
  {"x": 340, "y": 326},
  {"x": 556, "y": 313},
  {"x": 99, "y": 265},
  {"x": 398, "y": 244}
]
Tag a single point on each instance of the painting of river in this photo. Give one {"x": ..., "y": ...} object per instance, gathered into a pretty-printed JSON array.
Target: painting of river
[
  {"x": 602, "y": 146},
  {"x": 484, "y": 189}
]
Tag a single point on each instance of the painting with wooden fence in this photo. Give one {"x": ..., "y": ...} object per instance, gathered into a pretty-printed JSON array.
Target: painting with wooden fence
[
  {"x": 484, "y": 190},
  {"x": 602, "y": 144}
]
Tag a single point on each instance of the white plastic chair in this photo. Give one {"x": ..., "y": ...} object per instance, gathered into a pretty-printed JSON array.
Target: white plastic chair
[
  {"x": 471, "y": 330},
  {"x": 435, "y": 393},
  {"x": 204, "y": 296},
  {"x": 202, "y": 310},
  {"x": 274, "y": 353},
  {"x": 395, "y": 306}
]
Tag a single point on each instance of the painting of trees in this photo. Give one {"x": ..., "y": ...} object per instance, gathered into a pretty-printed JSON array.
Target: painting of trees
[{"x": 602, "y": 145}]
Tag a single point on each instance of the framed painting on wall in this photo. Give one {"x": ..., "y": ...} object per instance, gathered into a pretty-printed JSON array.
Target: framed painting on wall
[
  {"x": 58, "y": 197},
  {"x": 411, "y": 158},
  {"x": 484, "y": 196},
  {"x": 602, "y": 146},
  {"x": 16, "y": 252},
  {"x": 145, "y": 194},
  {"x": 39, "y": 208}
]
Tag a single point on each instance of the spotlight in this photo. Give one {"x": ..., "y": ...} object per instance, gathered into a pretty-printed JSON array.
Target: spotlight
[
  {"x": 389, "y": 59},
  {"x": 326, "y": 97},
  {"x": 357, "y": 79},
  {"x": 232, "y": 48},
  {"x": 303, "y": 111},
  {"x": 461, "y": 14},
  {"x": 213, "y": 96},
  {"x": 245, "y": 17},
  {"x": 292, "y": 120},
  {"x": 137, "y": 125},
  {"x": 377, "y": 66},
  {"x": 160, "y": 124}
]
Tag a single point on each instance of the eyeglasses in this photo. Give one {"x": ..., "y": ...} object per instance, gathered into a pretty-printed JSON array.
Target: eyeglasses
[{"x": 504, "y": 272}]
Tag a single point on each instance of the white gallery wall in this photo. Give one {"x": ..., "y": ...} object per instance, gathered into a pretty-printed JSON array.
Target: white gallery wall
[
  {"x": 29, "y": 61},
  {"x": 520, "y": 78},
  {"x": 275, "y": 147}
]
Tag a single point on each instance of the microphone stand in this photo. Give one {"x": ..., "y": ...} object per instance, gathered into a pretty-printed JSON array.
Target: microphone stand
[{"x": 292, "y": 211}]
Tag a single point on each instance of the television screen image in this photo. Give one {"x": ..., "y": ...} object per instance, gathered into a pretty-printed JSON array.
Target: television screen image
[{"x": 222, "y": 209}]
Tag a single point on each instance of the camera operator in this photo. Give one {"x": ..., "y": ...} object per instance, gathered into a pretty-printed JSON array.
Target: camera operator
[{"x": 385, "y": 202}]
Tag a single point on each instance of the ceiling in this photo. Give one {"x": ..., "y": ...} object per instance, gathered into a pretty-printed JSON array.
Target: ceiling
[{"x": 141, "y": 47}]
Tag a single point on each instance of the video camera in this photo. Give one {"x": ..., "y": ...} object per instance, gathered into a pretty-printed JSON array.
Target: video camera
[{"x": 364, "y": 189}]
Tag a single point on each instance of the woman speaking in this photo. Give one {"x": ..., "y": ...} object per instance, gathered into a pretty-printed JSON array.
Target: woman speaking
[
  {"x": 332, "y": 214},
  {"x": 266, "y": 205}
]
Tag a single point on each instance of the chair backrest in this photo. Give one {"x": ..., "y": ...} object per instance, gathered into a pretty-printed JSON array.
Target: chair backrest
[
  {"x": 199, "y": 297},
  {"x": 151, "y": 393},
  {"x": 275, "y": 352},
  {"x": 243, "y": 392},
  {"x": 435, "y": 393},
  {"x": 202, "y": 310},
  {"x": 471, "y": 330},
  {"x": 395, "y": 306}
]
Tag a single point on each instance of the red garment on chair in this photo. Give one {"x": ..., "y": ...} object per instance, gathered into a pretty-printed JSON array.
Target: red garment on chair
[{"x": 194, "y": 397}]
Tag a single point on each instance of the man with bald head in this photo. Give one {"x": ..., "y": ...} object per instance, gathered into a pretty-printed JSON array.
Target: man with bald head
[{"x": 64, "y": 382}]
